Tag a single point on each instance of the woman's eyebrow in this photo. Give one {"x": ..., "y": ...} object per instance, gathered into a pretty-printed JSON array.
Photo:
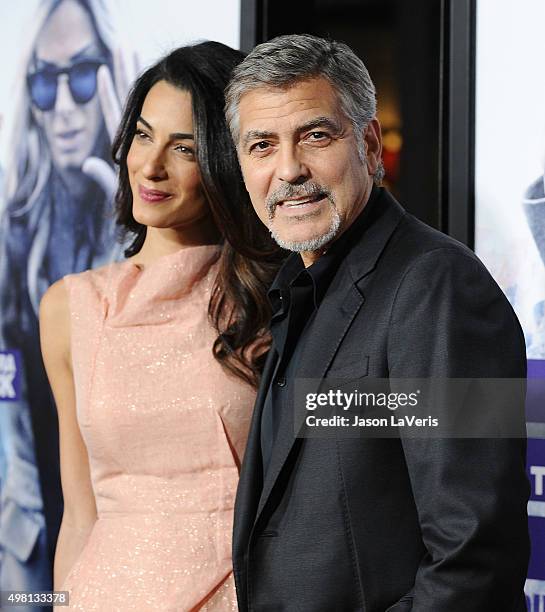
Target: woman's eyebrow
[
  {"x": 181, "y": 136},
  {"x": 142, "y": 120},
  {"x": 173, "y": 135},
  {"x": 91, "y": 50}
]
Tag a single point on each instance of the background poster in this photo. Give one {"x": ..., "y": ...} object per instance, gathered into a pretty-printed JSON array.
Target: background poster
[
  {"x": 510, "y": 157},
  {"x": 510, "y": 208},
  {"x": 56, "y": 188}
]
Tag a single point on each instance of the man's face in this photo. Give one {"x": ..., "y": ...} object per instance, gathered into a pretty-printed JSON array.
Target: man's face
[{"x": 300, "y": 162}]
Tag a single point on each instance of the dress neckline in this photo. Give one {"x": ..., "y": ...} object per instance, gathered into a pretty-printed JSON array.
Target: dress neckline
[
  {"x": 199, "y": 251},
  {"x": 144, "y": 295}
]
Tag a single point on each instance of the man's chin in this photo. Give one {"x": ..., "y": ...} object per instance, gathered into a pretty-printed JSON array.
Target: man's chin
[
  {"x": 304, "y": 244},
  {"x": 308, "y": 241}
]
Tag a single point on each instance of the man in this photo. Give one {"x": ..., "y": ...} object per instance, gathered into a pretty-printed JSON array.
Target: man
[{"x": 430, "y": 525}]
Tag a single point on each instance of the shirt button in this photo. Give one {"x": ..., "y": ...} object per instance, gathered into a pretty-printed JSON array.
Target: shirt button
[{"x": 281, "y": 381}]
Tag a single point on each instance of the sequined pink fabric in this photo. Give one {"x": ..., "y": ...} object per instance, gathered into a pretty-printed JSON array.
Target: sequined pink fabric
[{"x": 165, "y": 428}]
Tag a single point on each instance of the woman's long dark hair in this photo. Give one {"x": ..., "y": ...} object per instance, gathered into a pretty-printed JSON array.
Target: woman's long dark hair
[{"x": 239, "y": 308}]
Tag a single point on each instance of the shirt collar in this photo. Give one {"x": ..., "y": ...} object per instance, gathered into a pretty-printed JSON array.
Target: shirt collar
[{"x": 321, "y": 272}]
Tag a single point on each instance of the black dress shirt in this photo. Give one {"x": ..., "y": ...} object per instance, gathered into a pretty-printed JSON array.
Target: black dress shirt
[{"x": 295, "y": 296}]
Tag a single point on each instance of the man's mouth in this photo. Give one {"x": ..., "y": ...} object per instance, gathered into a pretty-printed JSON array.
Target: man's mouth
[
  {"x": 302, "y": 201},
  {"x": 302, "y": 204}
]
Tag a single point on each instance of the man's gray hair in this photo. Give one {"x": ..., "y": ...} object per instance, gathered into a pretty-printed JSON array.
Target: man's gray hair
[{"x": 288, "y": 59}]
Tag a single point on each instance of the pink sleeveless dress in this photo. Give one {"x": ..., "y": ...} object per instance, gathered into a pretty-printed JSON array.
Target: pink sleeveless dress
[{"x": 165, "y": 428}]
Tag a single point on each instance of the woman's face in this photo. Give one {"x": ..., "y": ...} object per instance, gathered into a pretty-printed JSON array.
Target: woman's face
[
  {"x": 163, "y": 171},
  {"x": 67, "y": 105}
]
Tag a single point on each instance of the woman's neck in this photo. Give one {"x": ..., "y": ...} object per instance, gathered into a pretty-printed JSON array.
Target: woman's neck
[{"x": 164, "y": 241}]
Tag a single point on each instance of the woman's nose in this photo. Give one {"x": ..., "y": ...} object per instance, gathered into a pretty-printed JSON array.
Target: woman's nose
[
  {"x": 64, "y": 102},
  {"x": 154, "y": 167}
]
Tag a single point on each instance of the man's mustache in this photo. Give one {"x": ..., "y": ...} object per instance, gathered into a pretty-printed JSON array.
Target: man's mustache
[{"x": 288, "y": 192}]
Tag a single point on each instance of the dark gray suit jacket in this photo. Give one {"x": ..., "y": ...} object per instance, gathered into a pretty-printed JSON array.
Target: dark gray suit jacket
[{"x": 435, "y": 525}]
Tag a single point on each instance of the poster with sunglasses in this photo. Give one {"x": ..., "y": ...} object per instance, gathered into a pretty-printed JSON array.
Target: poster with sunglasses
[
  {"x": 510, "y": 209},
  {"x": 71, "y": 65}
]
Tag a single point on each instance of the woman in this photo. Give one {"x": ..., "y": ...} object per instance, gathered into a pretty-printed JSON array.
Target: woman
[
  {"x": 59, "y": 137},
  {"x": 56, "y": 220},
  {"x": 153, "y": 361}
]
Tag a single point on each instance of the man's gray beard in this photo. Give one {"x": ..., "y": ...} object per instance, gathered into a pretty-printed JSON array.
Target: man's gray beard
[{"x": 314, "y": 244}]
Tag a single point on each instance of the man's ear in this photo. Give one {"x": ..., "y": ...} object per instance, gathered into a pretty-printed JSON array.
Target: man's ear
[{"x": 373, "y": 146}]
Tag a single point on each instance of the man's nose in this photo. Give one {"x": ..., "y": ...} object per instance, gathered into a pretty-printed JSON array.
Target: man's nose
[
  {"x": 64, "y": 102},
  {"x": 291, "y": 167}
]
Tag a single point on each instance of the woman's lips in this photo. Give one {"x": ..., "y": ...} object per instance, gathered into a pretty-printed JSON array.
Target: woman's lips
[
  {"x": 152, "y": 195},
  {"x": 68, "y": 135},
  {"x": 69, "y": 141}
]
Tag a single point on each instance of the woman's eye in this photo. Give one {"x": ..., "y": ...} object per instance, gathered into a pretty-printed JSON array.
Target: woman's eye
[
  {"x": 183, "y": 149},
  {"x": 141, "y": 135}
]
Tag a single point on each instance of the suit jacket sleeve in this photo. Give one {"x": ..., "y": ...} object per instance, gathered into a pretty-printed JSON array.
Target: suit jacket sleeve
[{"x": 450, "y": 319}]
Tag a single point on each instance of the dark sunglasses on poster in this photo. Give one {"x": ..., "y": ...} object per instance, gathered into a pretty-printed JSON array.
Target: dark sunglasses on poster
[{"x": 82, "y": 82}]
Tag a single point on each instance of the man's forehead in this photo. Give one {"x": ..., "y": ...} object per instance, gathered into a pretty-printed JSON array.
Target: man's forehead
[
  {"x": 315, "y": 88},
  {"x": 288, "y": 105}
]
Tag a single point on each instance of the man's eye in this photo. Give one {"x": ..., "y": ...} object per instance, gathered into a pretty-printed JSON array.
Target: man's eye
[
  {"x": 317, "y": 139},
  {"x": 262, "y": 145}
]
